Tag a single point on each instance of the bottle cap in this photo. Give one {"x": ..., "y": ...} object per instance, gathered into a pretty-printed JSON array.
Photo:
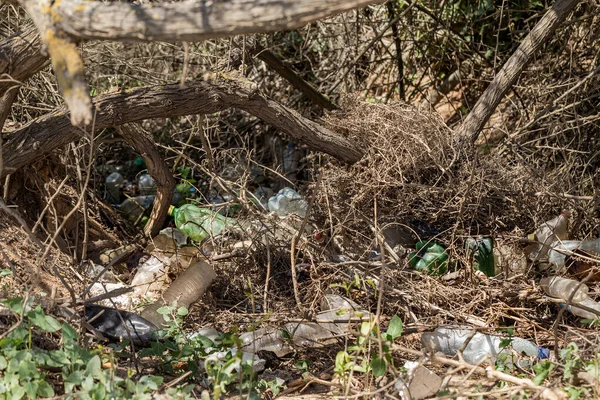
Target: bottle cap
[
  {"x": 171, "y": 209},
  {"x": 543, "y": 353}
]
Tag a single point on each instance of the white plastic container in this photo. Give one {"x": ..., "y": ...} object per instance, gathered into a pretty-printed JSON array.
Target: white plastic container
[
  {"x": 546, "y": 234},
  {"x": 288, "y": 201},
  {"x": 146, "y": 185},
  {"x": 150, "y": 277},
  {"x": 450, "y": 340},
  {"x": 561, "y": 249},
  {"x": 562, "y": 288}
]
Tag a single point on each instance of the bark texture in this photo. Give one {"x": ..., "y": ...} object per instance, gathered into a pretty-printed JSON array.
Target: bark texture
[
  {"x": 53, "y": 130},
  {"x": 21, "y": 55},
  {"x": 191, "y": 20},
  {"x": 144, "y": 144},
  {"x": 469, "y": 130}
]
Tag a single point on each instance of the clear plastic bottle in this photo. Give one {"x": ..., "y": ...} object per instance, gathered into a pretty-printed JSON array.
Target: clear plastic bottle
[
  {"x": 561, "y": 249},
  {"x": 546, "y": 234},
  {"x": 133, "y": 207},
  {"x": 450, "y": 340},
  {"x": 580, "y": 312},
  {"x": 288, "y": 201},
  {"x": 113, "y": 187},
  {"x": 199, "y": 223},
  {"x": 146, "y": 185},
  {"x": 562, "y": 288}
]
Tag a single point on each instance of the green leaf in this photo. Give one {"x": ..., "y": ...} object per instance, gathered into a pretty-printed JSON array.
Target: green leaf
[
  {"x": 542, "y": 369},
  {"x": 3, "y": 362},
  {"x": 182, "y": 311},
  {"x": 69, "y": 334},
  {"x": 394, "y": 329},
  {"x": 378, "y": 366},
  {"x": 45, "y": 390},
  {"x": 94, "y": 368},
  {"x": 5, "y": 272},
  {"x": 164, "y": 310}
]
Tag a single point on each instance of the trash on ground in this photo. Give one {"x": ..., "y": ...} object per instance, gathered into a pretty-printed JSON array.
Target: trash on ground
[
  {"x": 122, "y": 301},
  {"x": 546, "y": 234},
  {"x": 199, "y": 223},
  {"x": 146, "y": 185},
  {"x": 151, "y": 277},
  {"x": 450, "y": 340},
  {"x": 421, "y": 383},
  {"x": 120, "y": 325},
  {"x": 188, "y": 288},
  {"x": 482, "y": 251},
  {"x": 287, "y": 201},
  {"x": 114, "y": 182},
  {"x": 509, "y": 258},
  {"x": 563, "y": 288},
  {"x": 179, "y": 237},
  {"x": 430, "y": 257},
  {"x": 134, "y": 207},
  {"x": 340, "y": 309}
]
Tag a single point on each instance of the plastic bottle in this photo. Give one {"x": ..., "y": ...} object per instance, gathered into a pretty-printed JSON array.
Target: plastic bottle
[
  {"x": 113, "y": 187},
  {"x": 133, "y": 207},
  {"x": 110, "y": 323},
  {"x": 450, "y": 340},
  {"x": 561, "y": 249},
  {"x": 430, "y": 257},
  {"x": 146, "y": 185},
  {"x": 150, "y": 276},
  {"x": 562, "y": 288},
  {"x": 580, "y": 312},
  {"x": 482, "y": 250},
  {"x": 199, "y": 223},
  {"x": 546, "y": 234},
  {"x": 288, "y": 201},
  {"x": 185, "y": 290}
]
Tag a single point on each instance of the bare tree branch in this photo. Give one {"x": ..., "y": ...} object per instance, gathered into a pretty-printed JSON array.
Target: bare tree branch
[
  {"x": 53, "y": 130},
  {"x": 21, "y": 54},
  {"x": 471, "y": 127},
  {"x": 191, "y": 20}
]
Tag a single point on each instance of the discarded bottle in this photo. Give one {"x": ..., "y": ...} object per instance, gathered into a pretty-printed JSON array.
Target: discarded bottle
[
  {"x": 184, "y": 291},
  {"x": 482, "y": 250},
  {"x": 280, "y": 340},
  {"x": 113, "y": 187},
  {"x": 146, "y": 185},
  {"x": 116, "y": 324},
  {"x": 430, "y": 257},
  {"x": 580, "y": 312},
  {"x": 288, "y": 201},
  {"x": 173, "y": 233},
  {"x": 560, "y": 250},
  {"x": 562, "y": 288},
  {"x": 150, "y": 276},
  {"x": 134, "y": 207},
  {"x": 546, "y": 234},
  {"x": 450, "y": 340},
  {"x": 199, "y": 223},
  {"x": 262, "y": 194}
]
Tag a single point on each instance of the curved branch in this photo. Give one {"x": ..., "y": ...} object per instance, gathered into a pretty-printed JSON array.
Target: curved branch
[
  {"x": 191, "y": 20},
  {"x": 53, "y": 130}
]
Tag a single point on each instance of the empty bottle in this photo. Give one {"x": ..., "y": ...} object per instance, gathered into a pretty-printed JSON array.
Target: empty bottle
[
  {"x": 546, "y": 234},
  {"x": 288, "y": 201},
  {"x": 188, "y": 288},
  {"x": 113, "y": 187},
  {"x": 430, "y": 257},
  {"x": 146, "y": 185},
  {"x": 199, "y": 223},
  {"x": 134, "y": 207},
  {"x": 580, "y": 312},
  {"x": 116, "y": 324},
  {"x": 450, "y": 340},
  {"x": 482, "y": 250},
  {"x": 560, "y": 250},
  {"x": 562, "y": 288}
]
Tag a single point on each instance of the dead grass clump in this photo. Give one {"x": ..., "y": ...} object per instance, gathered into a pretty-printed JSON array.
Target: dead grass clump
[{"x": 405, "y": 170}]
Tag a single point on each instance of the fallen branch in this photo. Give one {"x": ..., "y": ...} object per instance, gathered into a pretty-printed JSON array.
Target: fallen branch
[
  {"x": 191, "y": 20},
  {"x": 54, "y": 130}
]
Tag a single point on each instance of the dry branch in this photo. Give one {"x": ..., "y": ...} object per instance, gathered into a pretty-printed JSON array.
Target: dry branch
[
  {"x": 469, "y": 130},
  {"x": 21, "y": 54},
  {"x": 53, "y": 130},
  {"x": 144, "y": 144},
  {"x": 191, "y": 20}
]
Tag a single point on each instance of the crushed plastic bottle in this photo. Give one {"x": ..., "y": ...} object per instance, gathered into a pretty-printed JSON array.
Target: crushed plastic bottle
[
  {"x": 560, "y": 250},
  {"x": 546, "y": 234},
  {"x": 562, "y": 288},
  {"x": 482, "y": 250},
  {"x": 450, "y": 340},
  {"x": 134, "y": 207},
  {"x": 199, "y": 223},
  {"x": 109, "y": 322},
  {"x": 178, "y": 237},
  {"x": 151, "y": 277},
  {"x": 146, "y": 185},
  {"x": 288, "y": 201},
  {"x": 580, "y": 312},
  {"x": 113, "y": 187},
  {"x": 430, "y": 257}
]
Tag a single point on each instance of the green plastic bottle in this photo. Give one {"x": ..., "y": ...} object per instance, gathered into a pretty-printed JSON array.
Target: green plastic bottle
[
  {"x": 482, "y": 250},
  {"x": 199, "y": 223},
  {"x": 430, "y": 257}
]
